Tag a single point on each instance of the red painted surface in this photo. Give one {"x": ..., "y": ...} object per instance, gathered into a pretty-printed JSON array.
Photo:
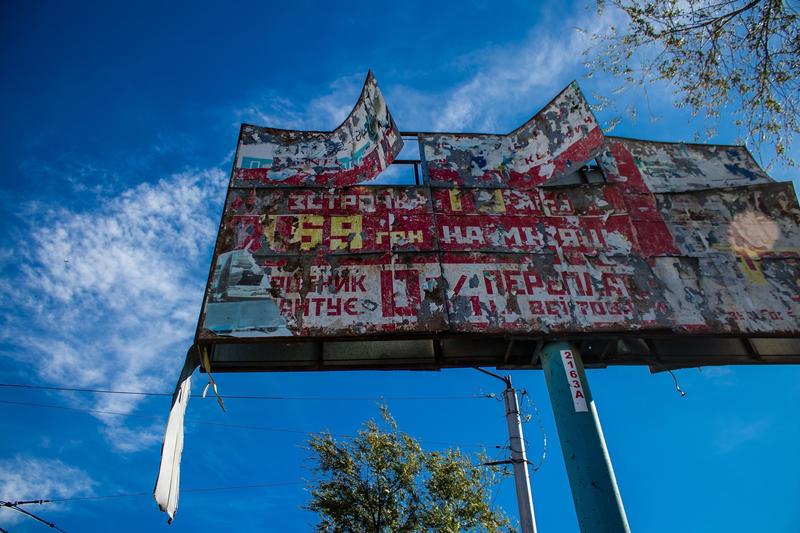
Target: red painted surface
[
  {"x": 570, "y": 159},
  {"x": 484, "y": 248},
  {"x": 369, "y": 168}
]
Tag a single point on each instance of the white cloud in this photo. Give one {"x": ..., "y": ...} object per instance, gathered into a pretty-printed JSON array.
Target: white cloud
[
  {"x": 323, "y": 113},
  {"x": 503, "y": 81},
  {"x": 29, "y": 478},
  {"x": 109, "y": 296},
  {"x": 737, "y": 433},
  {"x": 516, "y": 77},
  {"x": 719, "y": 375},
  {"x": 509, "y": 80},
  {"x": 504, "y": 85}
]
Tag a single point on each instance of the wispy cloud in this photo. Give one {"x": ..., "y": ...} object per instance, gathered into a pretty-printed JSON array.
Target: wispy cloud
[
  {"x": 737, "y": 433},
  {"x": 323, "y": 112},
  {"x": 505, "y": 81},
  {"x": 497, "y": 83},
  {"x": 109, "y": 295},
  {"x": 79, "y": 174},
  {"x": 719, "y": 375},
  {"x": 26, "y": 478},
  {"x": 516, "y": 77}
]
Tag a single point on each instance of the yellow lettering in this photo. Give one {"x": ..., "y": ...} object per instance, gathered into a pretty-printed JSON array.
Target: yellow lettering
[
  {"x": 268, "y": 223},
  {"x": 455, "y": 199},
  {"x": 308, "y": 231},
  {"x": 499, "y": 202},
  {"x": 750, "y": 262},
  {"x": 346, "y": 233}
]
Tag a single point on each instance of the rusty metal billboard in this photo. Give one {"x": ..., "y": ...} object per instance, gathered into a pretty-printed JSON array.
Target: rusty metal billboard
[
  {"x": 357, "y": 151},
  {"x": 661, "y": 254},
  {"x": 562, "y": 136},
  {"x": 552, "y": 230}
]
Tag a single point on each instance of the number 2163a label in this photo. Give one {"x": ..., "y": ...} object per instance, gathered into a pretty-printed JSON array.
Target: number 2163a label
[{"x": 574, "y": 380}]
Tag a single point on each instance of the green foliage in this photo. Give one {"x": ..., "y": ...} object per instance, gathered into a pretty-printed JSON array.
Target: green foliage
[
  {"x": 383, "y": 481},
  {"x": 739, "y": 55}
]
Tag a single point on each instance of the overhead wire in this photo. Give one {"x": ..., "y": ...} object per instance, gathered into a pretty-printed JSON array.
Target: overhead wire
[
  {"x": 14, "y": 505},
  {"x": 213, "y": 423},
  {"x": 31, "y": 515},
  {"x": 528, "y": 402},
  {"x": 525, "y": 395},
  {"x": 246, "y": 397},
  {"x": 505, "y": 473},
  {"x": 241, "y": 397},
  {"x": 150, "y": 493}
]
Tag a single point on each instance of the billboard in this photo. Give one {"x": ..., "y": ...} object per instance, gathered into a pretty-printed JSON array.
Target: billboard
[
  {"x": 637, "y": 252},
  {"x": 551, "y": 231}
]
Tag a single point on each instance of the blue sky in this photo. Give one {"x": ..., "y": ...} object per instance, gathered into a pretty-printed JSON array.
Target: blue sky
[{"x": 119, "y": 123}]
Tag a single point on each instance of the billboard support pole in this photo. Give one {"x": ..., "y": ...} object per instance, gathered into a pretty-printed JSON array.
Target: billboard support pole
[{"x": 598, "y": 503}]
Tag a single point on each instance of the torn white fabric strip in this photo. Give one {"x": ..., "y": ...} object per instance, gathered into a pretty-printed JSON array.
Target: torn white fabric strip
[{"x": 169, "y": 474}]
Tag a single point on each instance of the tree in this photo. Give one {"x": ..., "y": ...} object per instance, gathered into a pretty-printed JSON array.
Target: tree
[
  {"x": 739, "y": 55},
  {"x": 382, "y": 480}
]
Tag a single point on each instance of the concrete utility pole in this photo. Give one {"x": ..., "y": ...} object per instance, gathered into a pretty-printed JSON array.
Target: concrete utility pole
[
  {"x": 519, "y": 459},
  {"x": 598, "y": 503}
]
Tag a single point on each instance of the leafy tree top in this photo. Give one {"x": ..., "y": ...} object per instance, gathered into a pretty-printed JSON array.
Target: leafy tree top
[
  {"x": 383, "y": 481},
  {"x": 738, "y": 55}
]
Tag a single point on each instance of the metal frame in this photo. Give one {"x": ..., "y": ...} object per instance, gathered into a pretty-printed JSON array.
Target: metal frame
[{"x": 659, "y": 351}]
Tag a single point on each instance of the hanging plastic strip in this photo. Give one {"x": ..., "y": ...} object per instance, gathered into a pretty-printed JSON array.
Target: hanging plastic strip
[{"x": 169, "y": 474}]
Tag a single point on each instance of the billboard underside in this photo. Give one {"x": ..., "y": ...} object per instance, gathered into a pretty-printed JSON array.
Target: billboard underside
[
  {"x": 659, "y": 350},
  {"x": 661, "y": 254}
]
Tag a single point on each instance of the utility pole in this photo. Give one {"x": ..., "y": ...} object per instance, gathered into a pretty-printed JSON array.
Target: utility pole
[
  {"x": 598, "y": 503},
  {"x": 519, "y": 459}
]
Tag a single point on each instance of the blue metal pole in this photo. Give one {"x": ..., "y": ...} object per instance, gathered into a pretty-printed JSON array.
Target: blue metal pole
[{"x": 591, "y": 477}]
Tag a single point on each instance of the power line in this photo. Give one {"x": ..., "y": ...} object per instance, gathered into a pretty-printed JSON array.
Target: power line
[
  {"x": 80, "y": 409},
  {"x": 37, "y": 518},
  {"x": 188, "y": 420},
  {"x": 249, "y": 397},
  {"x": 217, "y": 424},
  {"x": 150, "y": 493}
]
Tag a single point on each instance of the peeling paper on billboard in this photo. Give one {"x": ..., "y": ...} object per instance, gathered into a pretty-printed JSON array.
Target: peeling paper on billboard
[
  {"x": 671, "y": 237},
  {"x": 680, "y": 167},
  {"x": 346, "y": 296},
  {"x": 357, "y": 151},
  {"x": 557, "y": 140}
]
